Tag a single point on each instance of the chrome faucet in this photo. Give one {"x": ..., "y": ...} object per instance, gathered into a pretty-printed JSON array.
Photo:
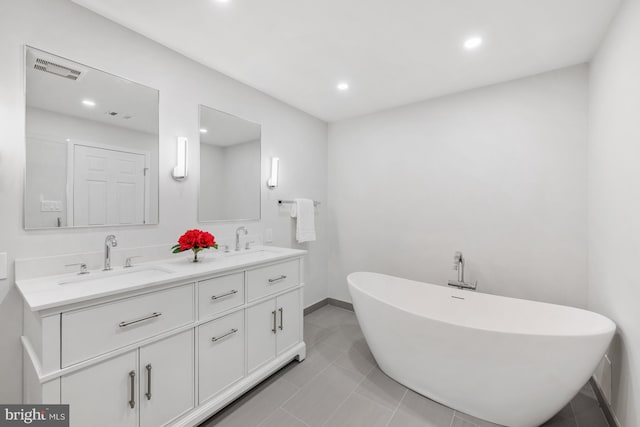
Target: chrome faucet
[
  {"x": 109, "y": 242},
  {"x": 458, "y": 264},
  {"x": 238, "y": 230}
]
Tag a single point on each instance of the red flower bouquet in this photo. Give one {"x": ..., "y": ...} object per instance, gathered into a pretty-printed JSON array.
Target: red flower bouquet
[{"x": 196, "y": 240}]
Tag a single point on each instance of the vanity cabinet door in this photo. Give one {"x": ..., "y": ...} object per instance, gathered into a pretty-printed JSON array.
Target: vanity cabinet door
[
  {"x": 288, "y": 317},
  {"x": 261, "y": 332},
  {"x": 220, "y": 354},
  {"x": 103, "y": 395},
  {"x": 166, "y": 379}
]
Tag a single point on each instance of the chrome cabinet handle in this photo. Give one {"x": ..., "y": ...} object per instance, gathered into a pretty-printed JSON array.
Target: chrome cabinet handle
[
  {"x": 132, "y": 377},
  {"x": 277, "y": 279},
  {"x": 231, "y": 332},
  {"x": 148, "y": 393},
  {"x": 273, "y": 313},
  {"x": 131, "y": 322},
  {"x": 281, "y": 318},
  {"x": 215, "y": 297}
]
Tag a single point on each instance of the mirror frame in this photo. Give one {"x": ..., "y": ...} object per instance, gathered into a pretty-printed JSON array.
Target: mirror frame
[
  {"x": 259, "y": 183},
  {"x": 24, "y": 177}
]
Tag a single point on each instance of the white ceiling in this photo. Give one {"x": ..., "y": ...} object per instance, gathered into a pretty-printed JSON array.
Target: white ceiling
[
  {"x": 224, "y": 129},
  {"x": 110, "y": 94},
  {"x": 391, "y": 52}
]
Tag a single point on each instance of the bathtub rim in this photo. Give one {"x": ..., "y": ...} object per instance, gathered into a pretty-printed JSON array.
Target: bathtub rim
[{"x": 609, "y": 326}]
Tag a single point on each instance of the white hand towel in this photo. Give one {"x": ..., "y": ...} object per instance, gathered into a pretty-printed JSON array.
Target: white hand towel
[{"x": 304, "y": 212}]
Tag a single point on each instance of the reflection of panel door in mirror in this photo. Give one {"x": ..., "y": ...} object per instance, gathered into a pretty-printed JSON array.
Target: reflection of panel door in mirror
[{"x": 108, "y": 186}]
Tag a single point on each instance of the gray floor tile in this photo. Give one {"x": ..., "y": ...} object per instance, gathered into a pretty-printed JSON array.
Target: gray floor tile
[
  {"x": 318, "y": 358},
  {"x": 460, "y": 422},
  {"x": 358, "y": 411},
  {"x": 356, "y": 362},
  {"x": 381, "y": 389},
  {"x": 330, "y": 317},
  {"x": 564, "y": 418},
  {"x": 343, "y": 337},
  {"x": 583, "y": 401},
  {"x": 319, "y": 398},
  {"x": 560, "y": 422},
  {"x": 418, "y": 411},
  {"x": 475, "y": 421},
  {"x": 281, "y": 418},
  {"x": 593, "y": 417},
  {"x": 314, "y": 333},
  {"x": 254, "y": 407}
]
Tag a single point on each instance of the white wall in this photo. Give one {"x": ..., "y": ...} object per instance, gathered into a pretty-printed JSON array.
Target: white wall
[
  {"x": 71, "y": 31},
  {"x": 230, "y": 174},
  {"x": 498, "y": 173},
  {"x": 614, "y": 203}
]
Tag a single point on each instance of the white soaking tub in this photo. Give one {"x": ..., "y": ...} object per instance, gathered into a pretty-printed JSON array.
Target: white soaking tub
[{"x": 510, "y": 361}]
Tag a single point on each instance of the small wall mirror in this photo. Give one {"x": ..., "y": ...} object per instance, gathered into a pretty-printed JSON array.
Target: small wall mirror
[
  {"x": 229, "y": 167},
  {"x": 91, "y": 146}
]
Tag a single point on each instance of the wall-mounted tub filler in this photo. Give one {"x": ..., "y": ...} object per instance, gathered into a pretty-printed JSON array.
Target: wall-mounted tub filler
[{"x": 458, "y": 264}]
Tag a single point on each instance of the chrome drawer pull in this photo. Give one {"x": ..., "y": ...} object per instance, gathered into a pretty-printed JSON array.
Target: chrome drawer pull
[
  {"x": 148, "y": 393},
  {"x": 132, "y": 376},
  {"x": 273, "y": 313},
  {"x": 131, "y": 322},
  {"x": 215, "y": 297},
  {"x": 231, "y": 332},
  {"x": 276, "y": 279},
  {"x": 281, "y": 318}
]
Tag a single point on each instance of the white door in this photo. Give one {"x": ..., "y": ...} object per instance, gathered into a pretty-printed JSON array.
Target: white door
[
  {"x": 166, "y": 379},
  {"x": 261, "y": 331},
  {"x": 288, "y": 312},
  {"x": 108, "y": 186},
  {"x": 103, "y": 395}
]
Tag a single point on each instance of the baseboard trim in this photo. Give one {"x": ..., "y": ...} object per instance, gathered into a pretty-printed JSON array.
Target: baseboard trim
[
  {"x": 316, "y": 305},
  {"x": 328, "y": 301},
  {"x": 341, "y": 304},
  {"x": 613, "y": 422}
]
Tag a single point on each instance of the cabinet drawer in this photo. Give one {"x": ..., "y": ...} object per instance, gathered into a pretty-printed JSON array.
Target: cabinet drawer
[
  {"x": 96, "y": 330},
  {"x": 219, "y": 294},
  {"x": 221, "y": 354},
  {"x": 272, "y": 278}
]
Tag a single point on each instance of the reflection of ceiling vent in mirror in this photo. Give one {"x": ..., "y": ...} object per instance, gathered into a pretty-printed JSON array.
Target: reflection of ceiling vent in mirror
[{"x": 57, "y": 69}]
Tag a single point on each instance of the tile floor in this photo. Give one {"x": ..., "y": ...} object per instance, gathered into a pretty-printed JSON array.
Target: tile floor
[{"x": 339, "y": 384}]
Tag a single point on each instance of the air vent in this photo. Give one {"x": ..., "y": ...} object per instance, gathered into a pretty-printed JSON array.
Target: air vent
[{"x": 57, "y": 69}]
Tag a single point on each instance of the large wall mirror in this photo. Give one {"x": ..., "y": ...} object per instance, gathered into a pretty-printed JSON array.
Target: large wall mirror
[
  {"x": 229, "y": 167},
  {"x": 91, "y": 145}
]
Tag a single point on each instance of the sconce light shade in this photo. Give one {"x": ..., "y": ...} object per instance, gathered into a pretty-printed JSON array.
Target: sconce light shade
[
  {"x": 272, "y": 182},
  {"x": 180, "y": 171}
]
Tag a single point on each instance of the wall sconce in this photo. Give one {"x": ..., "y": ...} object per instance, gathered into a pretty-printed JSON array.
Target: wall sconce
[
  {"x": 180, "y": 171},
  {"x": 272, "y": 182}
]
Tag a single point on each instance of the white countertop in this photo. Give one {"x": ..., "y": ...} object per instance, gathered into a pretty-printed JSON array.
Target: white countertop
[{"x": 55, "y": 291}]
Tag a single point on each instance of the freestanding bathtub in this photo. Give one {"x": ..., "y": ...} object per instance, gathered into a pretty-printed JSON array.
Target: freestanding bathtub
[{"x": 510, "y": 361}]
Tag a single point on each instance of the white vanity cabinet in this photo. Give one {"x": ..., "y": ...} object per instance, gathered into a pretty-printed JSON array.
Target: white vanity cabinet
[
  {"x": 273, "y": 327},
  {"x": 171, "y": 353},
  {"x": 148, "y": 387}
]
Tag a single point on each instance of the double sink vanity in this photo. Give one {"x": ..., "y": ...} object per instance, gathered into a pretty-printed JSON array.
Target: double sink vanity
[{"x": 162, "y": 343}]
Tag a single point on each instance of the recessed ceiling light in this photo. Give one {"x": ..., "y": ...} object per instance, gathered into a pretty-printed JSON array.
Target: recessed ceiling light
[
  {"x": 203, "y": 130},
  {"x": 473, "y": 43},
  {"x": 88, "y": 103},
  {"x": 342, "y": 86}
]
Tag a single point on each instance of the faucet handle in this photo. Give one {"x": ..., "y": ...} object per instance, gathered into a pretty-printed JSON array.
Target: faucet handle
[
  {"x": 83, "y": 267},
  {"x": 247, "y": 245},
  {"x": 226, "y": 248},
  {"x": 127, "y": 262}
]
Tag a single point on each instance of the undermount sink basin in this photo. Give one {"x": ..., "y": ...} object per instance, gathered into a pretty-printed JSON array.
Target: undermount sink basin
[{"x": 129, "y": 274}]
